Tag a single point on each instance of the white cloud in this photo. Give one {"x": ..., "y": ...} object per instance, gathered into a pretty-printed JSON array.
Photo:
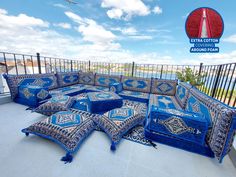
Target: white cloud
[
  {"x": 125, "y": 9},
  {"x": 63, "y": 25},
  {"x": 115, "y": 13},
  {"x": 33, "y": 35},
  {"x": 141, "y": 37},
  {"x": 93, "y": 32},
  {"x": 20, "y": 20},
  {"x": 129, "y": 31},
  {"x": 219, "y": 57},
  {"x": 126, "y": 31},
  {"x": 60, "y": 5},
  {"x": 157, "y": 10},
  {"x": 231, "y": 39}
]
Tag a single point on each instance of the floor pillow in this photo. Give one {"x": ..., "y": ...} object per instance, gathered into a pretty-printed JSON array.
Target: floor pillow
[
  {"x": 55, "y": 104},
  {"x": 120, "y": 120},
  {"x": 66, "y": 128}
]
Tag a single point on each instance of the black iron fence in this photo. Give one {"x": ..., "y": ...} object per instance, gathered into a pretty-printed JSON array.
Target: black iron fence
[{"x": 219, "y": 81}]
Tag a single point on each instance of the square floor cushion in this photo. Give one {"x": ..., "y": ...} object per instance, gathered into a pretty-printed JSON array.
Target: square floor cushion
[
  {"x": 103, "y": 101},
  {"x": 120, "y": 120},
  {"x": 55, "y": 104},
  {"x": 66, "y": 128}
]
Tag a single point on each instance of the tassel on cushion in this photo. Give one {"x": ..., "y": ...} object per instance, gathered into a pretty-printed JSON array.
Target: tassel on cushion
[{"x": 68, "y": 158}]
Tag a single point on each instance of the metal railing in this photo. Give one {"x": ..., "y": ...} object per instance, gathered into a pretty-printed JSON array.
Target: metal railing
[{"x": 219, "y": 80}]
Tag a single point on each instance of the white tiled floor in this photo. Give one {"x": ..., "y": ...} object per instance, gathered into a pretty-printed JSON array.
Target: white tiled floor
[{"x": 34, "y": 156}]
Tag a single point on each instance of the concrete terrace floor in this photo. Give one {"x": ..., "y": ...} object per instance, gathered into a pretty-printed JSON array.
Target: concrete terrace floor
[{"x": 34, "y": 156}]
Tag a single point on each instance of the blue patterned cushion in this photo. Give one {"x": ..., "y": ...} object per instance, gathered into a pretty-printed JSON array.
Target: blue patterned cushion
[
  {"x": 136, "y": 84},
  {"x": 31, "y": 95},
  {"x": 116, "y": 87},
  {"x": 105, "y": 80},
  {"x": 163, "y": 101},
  {"x": 86, "y": 78},
  {"x": 135, "y": 96},
  {"x": 118, "y": 121},
  {"x": 96, "y": 88},
  {"x": 180, "y": 124},
  {"x": 164, "y": 87},
  {"x": 67, "y": 128},
  {"x": 55, "y": 104},
  {"x": 43, "y": 80},
  {"x": 81, "y": 102},
  {"x": 198, "y": 106},
  {"x": 68, "y": 78},
  {"x": 103, "y": 101},
  {"x": 182, "y": 93},
  {"x": 69, "y": 90},
  {"x": 221, "y": 117}
]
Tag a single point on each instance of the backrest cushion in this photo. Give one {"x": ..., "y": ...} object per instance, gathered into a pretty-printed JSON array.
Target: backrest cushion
[
  {"x": 222, "y": 119},
  {"x": 86, "y": 78},
  {"x": 105, "y": 80},
  {"x": 136, "y": 84},
  {"x": 67, "y": 78},
  {"x": 197, "y": 102},
  {"x": 48, "y": 81},
  {"x": 182, "y": 93},
  {"x": 163, "y": 87}
]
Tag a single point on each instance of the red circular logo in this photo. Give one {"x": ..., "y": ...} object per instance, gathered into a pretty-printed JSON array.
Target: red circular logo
[{"x": 204, "y": 23}]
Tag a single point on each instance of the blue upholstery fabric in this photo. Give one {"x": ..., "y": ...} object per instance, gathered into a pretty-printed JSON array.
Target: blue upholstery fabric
[
  {"x": 221, "y": 117},
  {"x": 105, "y": 80},
  {"x": 163, "y": 87},
  {"x": 136, "y": 84},
  {"x": 67, "y": 78},
  {"x": 118, "y": 121},
  {"x": 81, "y": 102},
  {"x": 196, "y": 103},
  {"x": 182, "y": 93},
  {"x": 116, "y": 87},
  {"x": 31, "y": 95},
  {"x": 135, "y": 96},
  {"x": 43, "y": 80},
  {"x": 69, "y": 90},
  {"x": 163, "y": 101},
  {"x": 180, "y": 124},
  {"x": 55, "y": 104},
  {"x": 103, "y": 101},
  {"x": 86, "y": 78},
  {"x": 67, "y": 128},
  {"x": 90, "y": 88}
]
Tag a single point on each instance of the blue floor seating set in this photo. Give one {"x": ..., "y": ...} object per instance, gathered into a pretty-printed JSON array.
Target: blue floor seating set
[{"x": 173, "y": 113}]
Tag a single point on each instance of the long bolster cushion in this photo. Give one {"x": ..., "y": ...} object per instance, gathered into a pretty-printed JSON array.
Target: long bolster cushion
[{"x": 43, "y": 80}]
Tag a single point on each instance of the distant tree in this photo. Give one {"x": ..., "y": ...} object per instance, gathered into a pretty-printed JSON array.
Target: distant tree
[{"x": 188, "y": 75}]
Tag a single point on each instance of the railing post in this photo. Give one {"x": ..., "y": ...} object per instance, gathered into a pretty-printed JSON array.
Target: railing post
[
  {"x": 71, "y": 65},
  {"x": 109, "y": 69},
  {"x": 132, "y": 72},
  {"x": 161, "y": 71},
  {"x": 200, "y": 69},
  {"x": 39, "y": 63},
  {"x": 216, "y": 82},
  {"x": 89, "y": 65}
]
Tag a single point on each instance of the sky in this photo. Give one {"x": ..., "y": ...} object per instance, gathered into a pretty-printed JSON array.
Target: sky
[{"x": 143, "y": 31}]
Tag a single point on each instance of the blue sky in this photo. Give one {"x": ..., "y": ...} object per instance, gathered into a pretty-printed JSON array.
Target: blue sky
[{"x": 151, "y": 31}]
